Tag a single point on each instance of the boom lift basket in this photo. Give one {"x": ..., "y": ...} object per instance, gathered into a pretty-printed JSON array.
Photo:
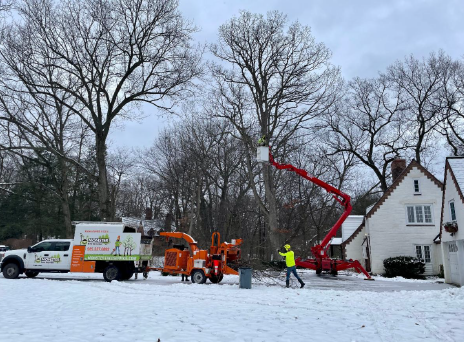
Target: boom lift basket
[{"x": 262, "y": 154}]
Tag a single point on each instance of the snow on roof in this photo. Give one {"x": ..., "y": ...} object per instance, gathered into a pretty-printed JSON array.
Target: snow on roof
[
  {"x": 369, "y": 208},
  {"x": 337, "y": 241},
  {"x": 457, "y": 165}
]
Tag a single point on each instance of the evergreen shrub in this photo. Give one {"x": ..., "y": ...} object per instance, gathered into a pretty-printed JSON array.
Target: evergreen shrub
[{"x": 404, "y": 266}]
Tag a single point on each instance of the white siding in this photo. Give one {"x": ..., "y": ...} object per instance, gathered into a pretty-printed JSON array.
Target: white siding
[
  {"x": 390, "y": 235},
  {"x": 353, "y": 250},
  {"x": 452, "y": 194},
  {"x": 351, "y": 223}
]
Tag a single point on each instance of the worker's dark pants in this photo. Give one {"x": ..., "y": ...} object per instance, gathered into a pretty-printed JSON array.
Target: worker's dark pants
[{"x": 292, "y": 270}]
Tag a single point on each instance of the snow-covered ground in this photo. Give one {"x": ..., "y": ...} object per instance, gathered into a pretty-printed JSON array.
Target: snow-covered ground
[{"x": 82, "y": 307}]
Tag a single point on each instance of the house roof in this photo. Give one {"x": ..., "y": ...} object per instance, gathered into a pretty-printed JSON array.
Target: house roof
[
  {"x": 398, "y": 181},
  {"x": 336, "y": 241},
  {"x": 455, "y": 165},
  {"x": 355, "y": 233},
  {"x": 351, "y": 223}
]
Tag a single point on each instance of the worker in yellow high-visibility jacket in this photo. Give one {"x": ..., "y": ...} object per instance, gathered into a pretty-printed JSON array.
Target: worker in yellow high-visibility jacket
[
  {"x": 291, "y": 268},
  {"x": 262, "y": 141}
]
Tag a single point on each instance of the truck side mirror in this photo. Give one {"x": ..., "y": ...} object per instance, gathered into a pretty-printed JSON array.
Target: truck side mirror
[{"x": 29, "y": 249}]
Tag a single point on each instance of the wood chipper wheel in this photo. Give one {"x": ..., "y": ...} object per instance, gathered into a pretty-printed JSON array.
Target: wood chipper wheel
[
  {"x": 318, "y": 271},
  {"x": 215, "y": 279},
  {"x": 198, "y": 277}
]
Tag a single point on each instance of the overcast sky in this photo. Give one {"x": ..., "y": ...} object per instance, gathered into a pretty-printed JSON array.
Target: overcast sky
[{"x": 364, "y": 36}]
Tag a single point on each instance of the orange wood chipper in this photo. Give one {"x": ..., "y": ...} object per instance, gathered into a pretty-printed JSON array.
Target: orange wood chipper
[{"x": 212, "y": 264}]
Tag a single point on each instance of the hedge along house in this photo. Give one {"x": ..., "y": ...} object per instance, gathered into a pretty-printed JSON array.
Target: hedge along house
[
  {"x": 452, "y": 221},
  {"x": 405, "y": 221}
]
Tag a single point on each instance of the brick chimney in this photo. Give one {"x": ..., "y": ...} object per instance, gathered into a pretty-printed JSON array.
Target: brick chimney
[{"x": 397, "y": 166}]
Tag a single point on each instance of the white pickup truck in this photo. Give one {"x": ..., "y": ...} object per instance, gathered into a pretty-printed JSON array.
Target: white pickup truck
[{"x": 113, "y": 249}]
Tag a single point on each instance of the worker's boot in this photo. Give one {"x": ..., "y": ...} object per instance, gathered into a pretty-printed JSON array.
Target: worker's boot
[
  {"x": 301, "y": 283},
  {"x": 287, "y": 284}
]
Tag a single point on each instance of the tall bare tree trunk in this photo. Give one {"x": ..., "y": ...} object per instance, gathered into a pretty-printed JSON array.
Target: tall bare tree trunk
[
  {"x": 103, "y": 193},
  {"x": 272, "y": 215},
  {"x": 64, "y": 196},
  {"x": 67, "y": 217}
]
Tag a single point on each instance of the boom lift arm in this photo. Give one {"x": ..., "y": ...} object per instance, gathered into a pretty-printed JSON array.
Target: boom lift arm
[{"x": 321, "y": 259}]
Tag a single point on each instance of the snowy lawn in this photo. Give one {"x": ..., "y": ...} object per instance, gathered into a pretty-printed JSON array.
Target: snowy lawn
[{"x": 56, "y": 308}]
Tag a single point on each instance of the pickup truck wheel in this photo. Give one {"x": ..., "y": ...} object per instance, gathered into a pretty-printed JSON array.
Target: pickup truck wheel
[
  {"x": 31, "y": 274},
  {"x": 198, "y": 277},
  {"x": 11, "y": 271},
  {"x": 111, "y": 273}
]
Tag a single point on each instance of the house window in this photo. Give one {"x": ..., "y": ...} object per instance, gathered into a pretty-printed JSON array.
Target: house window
[
  {"x": 419, "y": 214},
  {"x": 423, "y": 253},
  {"x": 452, "y": 247},
  {"x": 416, "y": 186},
  {"x": 452, "y": 211}
]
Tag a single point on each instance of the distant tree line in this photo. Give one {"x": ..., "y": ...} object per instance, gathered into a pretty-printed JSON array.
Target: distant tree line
[{"x": 73, "y": 69}]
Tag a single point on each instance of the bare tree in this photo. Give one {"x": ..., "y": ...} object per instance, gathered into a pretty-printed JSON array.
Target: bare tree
[
  {"x": 44, "y": 133},
  {"x": 368, "y": 123},
  {"x": 108, "y": 58},
  {"x": 168, "y": 162},
  {"x": 273, "y": 84},
  {"x": 421, "y": 83},
  {"x": 5, "y": 6},
  {"x": 7, "y": 172},
  {"x": 452, "y": 126},
  {"x": 121, "y": 164}
]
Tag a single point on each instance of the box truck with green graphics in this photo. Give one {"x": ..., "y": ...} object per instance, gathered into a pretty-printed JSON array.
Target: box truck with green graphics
[{"x": 113, "y": 249}]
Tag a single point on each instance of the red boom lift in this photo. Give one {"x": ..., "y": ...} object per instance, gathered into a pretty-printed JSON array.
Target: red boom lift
[{"x": 321, "y": 261}]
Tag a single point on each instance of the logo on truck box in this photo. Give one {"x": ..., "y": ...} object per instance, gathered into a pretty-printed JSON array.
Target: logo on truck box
[{"x": 101, "y": 240}]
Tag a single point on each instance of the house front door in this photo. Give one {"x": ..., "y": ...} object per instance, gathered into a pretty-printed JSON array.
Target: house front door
[{"x": 424, "y": 253}]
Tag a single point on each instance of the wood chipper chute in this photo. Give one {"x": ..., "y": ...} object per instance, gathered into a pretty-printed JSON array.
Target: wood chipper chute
[{"x": 213, "y": 264}]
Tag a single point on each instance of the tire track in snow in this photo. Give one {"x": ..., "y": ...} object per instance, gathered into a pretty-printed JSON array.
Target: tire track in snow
[{"x": 431, "y": 327}]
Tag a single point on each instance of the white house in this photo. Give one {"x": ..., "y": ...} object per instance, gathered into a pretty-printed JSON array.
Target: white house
[
  {"x": 351, "y": 223},
  {"x": 337, "y": 245},
  {"x": 453, "y": 212},
  {"x": 355, "y": 246},
  {"x": 405, "y": 221}
]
